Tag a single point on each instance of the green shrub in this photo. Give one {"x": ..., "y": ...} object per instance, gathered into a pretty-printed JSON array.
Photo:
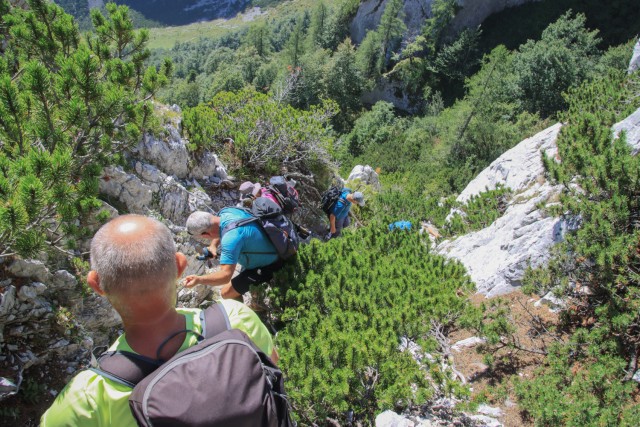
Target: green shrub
[
  {"x": 68, "y": 106},
  {"x": 343, "y": 307},
  {"x": 478, "y": 212},
  {"x": 268, "y": 136},
  {"x": 585, "y": 382}
]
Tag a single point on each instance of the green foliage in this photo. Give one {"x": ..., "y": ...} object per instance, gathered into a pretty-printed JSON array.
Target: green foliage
[
  {"x": 391, "y": 25},
  {"x": 345, "y": 305},
  {"x": 68, "y": 107},
  {"x": 32, "y": 391},
  {"x": 268, "y": 136},
  {"x": 561, "y": 59},
  {"x": 585, "y": 381},
  {"x": 478, "y": 212},
  {"x": 372, "y": 128},
  {"x": 344, "y": 85}
]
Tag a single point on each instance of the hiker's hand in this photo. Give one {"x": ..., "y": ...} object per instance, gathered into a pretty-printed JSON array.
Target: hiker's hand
[
  {"x": 206, "y": 253},
  {"x": 191, "y": 281}
]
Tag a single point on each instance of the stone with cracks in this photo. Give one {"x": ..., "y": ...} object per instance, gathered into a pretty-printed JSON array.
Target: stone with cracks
[
  {"x": 127, "y": 188},
  {"x": 366, "y": 175},
  {"x": 497, "y": 256},
  {"x": 391, "y": 419},
  {"x": 631, "y": 127},
  {"x": 32, "y": 269},
  {"x": 634, "y": 64},
  {"x": 170, "y": 155},
  {"x": 518, "y": 168}
]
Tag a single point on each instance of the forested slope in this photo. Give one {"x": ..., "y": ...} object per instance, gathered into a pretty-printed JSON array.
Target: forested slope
[{"x": 77, "y": 117}]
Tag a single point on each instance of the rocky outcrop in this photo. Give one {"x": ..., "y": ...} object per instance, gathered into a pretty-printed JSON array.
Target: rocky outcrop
[
  {"x": 634, "y": 65},
  {"x": 366, "y": 175},
  {"x": 497, "y": 256},
  {"x": 631, "y": 128},
  {"x": 471, "y": 14},
  {"x": 34, "y": 328},
  {"x": 370, "y": 11}
]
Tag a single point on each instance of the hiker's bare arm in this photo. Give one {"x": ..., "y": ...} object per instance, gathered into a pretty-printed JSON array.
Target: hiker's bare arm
[
  {"x": 213, "y": 247},
  {"x": 220, "y": 277},
  {"x": 332, "y": 221},
  {"x": 275, "y": 356}
]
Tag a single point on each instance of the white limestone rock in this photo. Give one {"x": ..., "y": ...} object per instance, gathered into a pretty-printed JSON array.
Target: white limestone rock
[
  {"x": 631, "y": 127},
  {"x": 467, "y": 343},
  {"x": 7, "y": 302},
  {"x": 485, "y": 421},
  {"x": 127, "y": 188},
  {"x": 518, "y": 168},
  {"x": 29, "y": 268},
  {"x": 490, "y": 411},
  {"x": 170, "y": 154},
  {"x": 63, "y": 280},
  {"x": 391, "y": 419},
  {"x": 634, "y": 64},
  {"x": 497, "y": 256},
  {"x": 27, "y": 293},
  {"x": 209, "y": 167},
  {"x": 554, "y": 303},
  {"x": 366, "y": 175}
]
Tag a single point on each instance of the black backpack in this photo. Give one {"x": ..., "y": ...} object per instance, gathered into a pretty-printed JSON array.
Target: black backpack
[
  {"x": 280, "y": 229},
  {"x": 224, "y": 380},
  {"x": 329, "y": 198},
  {"x": 286, "y": 195}
]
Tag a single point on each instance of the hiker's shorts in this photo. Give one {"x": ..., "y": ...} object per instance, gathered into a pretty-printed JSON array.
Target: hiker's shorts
[{"x": 243, "y": 281}]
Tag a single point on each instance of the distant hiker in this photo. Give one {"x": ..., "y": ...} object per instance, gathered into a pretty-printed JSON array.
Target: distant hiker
[
  {"x": 247, "y": 245},
  {"x": 135, "y": 266},
  {"x": 339, "y": 212},
  {"x": 248, "y": 193},
  {"x": 282, "y": 191}
]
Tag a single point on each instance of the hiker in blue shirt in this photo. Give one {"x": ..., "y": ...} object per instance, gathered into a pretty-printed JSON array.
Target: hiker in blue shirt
[
  {"x": 339, "y": 216},
  {"x": 248, "y": 246}
]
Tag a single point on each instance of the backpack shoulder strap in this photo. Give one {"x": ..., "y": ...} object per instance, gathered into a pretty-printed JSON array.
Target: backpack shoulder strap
[
  {"x": 214, "y": 320},
  {"x": 124, "y": 367},
  {"x": 130, "y": 368}
]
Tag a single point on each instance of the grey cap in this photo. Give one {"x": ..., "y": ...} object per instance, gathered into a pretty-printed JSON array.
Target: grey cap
[{"x": 358, "y": 198}]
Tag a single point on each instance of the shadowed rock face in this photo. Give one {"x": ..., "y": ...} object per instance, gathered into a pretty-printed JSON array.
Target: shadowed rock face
[
  {"x": 172, "y": 12},
  {"x": 471, "y": 14}
]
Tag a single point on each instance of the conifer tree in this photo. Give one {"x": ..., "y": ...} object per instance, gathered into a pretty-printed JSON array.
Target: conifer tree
[
  {"x": 67, "y": 107},
  {"x": 391, "y": 25}
]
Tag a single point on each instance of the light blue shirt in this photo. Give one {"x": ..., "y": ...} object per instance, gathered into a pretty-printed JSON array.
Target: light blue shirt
[
  {"x": 342, "y": 206},
  {"x": 248, "y": 245}
]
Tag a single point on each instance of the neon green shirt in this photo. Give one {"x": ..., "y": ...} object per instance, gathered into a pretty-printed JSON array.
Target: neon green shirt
[{"x": 93, "y": 400}]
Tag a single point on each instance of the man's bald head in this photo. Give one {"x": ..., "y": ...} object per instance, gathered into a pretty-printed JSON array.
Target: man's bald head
[{"x": 133, "y": 254}]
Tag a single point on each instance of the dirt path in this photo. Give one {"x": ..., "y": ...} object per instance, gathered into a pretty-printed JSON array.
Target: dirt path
[{"x": 494, "y": 386}]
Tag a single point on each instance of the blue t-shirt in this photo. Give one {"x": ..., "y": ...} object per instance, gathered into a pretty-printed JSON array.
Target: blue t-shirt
[
  {"x": 248, "y": 245},
  {"x": 342, "y": 206}
]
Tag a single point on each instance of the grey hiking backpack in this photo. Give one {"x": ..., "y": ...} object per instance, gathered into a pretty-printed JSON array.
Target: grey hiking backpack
[
  {"x": 224, "y": 380},
  {"x": 280, "y": 229}
]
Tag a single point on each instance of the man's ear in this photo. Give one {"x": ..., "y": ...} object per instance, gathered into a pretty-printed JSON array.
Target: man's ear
[
  {"x": 181, "y": 263},
  {"x": 94, "y": 281}
]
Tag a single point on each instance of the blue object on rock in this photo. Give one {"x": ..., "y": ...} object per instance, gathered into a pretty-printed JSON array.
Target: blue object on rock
[{"x": 400, "y": 225}]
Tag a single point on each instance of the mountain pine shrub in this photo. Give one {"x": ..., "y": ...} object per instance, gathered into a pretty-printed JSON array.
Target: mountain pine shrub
[
  {"x": 342, "y": 309},
  {"x": 68, "y": 106},
  {"x": 586, "y": 381},
  {"x": 267, "y": 134}
]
